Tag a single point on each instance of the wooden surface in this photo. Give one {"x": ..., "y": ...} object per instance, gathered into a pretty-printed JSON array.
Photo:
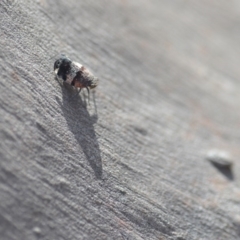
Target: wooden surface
[{"x": 134, "y": 164}]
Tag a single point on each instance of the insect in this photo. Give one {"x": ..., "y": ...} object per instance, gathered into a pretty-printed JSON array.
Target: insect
[{"x": 74, "y": 74}]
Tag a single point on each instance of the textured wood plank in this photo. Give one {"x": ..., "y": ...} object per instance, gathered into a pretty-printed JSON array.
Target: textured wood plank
[{"x": 134, "y": 164}]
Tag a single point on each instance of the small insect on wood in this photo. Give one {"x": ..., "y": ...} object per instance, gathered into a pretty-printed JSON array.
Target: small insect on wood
[{"x": 74, "y": 74}]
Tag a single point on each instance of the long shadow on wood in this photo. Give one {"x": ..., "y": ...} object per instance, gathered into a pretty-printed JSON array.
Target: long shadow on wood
[{"x": 80, "y": 123}]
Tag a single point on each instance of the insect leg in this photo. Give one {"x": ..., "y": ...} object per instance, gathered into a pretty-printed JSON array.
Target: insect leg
[
  {"x": 78, "y": 92},
  {"x": 88, "y": 95}
]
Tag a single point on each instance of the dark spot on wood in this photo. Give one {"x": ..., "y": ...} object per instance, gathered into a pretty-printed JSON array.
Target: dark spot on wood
[
  {"x": 40, "y": 127},
  {"x": 141, "y": 130}
]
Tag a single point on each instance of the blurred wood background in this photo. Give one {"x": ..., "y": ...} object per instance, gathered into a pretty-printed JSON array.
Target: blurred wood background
[{"x": 133, "y": 164}]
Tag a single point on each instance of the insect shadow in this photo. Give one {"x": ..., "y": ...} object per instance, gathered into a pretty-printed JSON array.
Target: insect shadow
[{"x": 80, "y": 123}]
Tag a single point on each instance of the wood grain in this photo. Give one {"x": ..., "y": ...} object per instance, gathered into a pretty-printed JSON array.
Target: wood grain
[{"x": 132, "y": 164}]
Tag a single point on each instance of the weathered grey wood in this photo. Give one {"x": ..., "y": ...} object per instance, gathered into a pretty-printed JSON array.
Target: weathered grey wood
[{"x": 135, "y": 165}]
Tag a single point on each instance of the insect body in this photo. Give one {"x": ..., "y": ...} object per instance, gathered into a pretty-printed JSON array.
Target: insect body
[{"x": 74, "y": 74}]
